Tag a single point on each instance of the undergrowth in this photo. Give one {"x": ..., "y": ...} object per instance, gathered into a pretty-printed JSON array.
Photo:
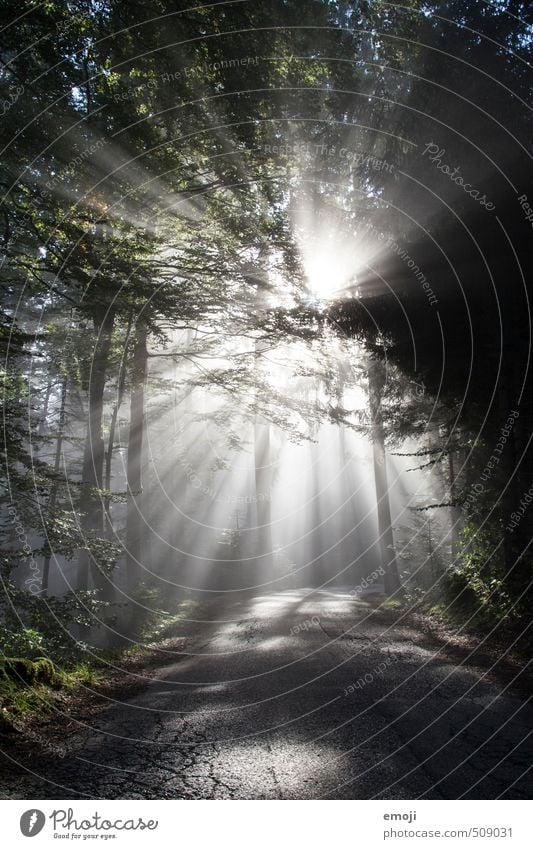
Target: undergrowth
[{"x": 31, "y": 682}]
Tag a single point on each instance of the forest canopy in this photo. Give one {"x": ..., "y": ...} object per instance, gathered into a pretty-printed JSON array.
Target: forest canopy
[{"x": 227, "y": 229}]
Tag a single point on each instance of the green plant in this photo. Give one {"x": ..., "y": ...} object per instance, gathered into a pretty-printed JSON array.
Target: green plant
[{"x": 477, "y": 585}]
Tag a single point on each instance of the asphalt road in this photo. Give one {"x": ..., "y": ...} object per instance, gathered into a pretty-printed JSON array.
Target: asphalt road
[{"x": 301, "y": 695}]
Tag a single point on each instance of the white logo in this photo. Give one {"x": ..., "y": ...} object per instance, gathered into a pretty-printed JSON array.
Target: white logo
[{"x": 32, "y": 822}]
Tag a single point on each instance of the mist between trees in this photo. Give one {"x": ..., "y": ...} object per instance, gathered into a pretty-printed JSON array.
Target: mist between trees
[{"x": 225, "y": 266}]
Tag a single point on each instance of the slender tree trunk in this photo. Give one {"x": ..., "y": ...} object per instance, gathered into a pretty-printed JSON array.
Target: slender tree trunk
[
  {"x": 314, "y": 572},
  {"x": 376, "y": 382},
  {"x": 53, "y": 493},
  {"x": 112, "y": 430},
  {"x": 42, "y": 424},
  {"x": 91, "y": 505},
  {"x": 134, "y": 536},
  {"x": 351, "y": 546},
  {"x": 510, "y": 496},
  {"x": 263, "y": 486},
  {"x": 455, "y": 512},
  {"x": 263, "y": 493},
  {"x": 512, "y": 472}
]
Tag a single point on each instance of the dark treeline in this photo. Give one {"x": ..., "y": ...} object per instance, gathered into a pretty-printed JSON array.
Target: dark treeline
[{"x": 169, "y": 171}]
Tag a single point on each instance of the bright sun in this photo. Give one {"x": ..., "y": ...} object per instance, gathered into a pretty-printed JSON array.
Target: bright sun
[
  {"x": 328, "y": 273},
  {"x": 330, "y": 254}
]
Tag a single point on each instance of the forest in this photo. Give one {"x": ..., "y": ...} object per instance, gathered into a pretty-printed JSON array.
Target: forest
[{"x": 266, "y": 388}]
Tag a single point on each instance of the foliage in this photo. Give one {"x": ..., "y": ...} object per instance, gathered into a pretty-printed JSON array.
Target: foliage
[{"x": 477, "y": 586}]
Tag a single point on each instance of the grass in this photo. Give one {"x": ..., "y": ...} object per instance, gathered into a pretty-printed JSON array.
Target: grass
[
  {"x": 167, "y": 628},
  {"x": 471, "y": 620},
  {"x": 163, "y": 628},
  {"x": 391, "y": 604}
]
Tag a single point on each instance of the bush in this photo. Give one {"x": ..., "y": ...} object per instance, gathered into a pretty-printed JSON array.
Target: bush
[
  {"x": 41, "y": 627},
  {"x": 477, "y": 585},
  {"x": 25, "y": 643}
]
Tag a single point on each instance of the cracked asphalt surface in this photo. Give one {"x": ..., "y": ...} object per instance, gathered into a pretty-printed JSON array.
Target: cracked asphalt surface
[{"x": 300, "y": 695}]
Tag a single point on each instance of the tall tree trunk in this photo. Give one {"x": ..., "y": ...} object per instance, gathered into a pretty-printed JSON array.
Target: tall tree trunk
[
  {"x": 112, "y": 430},
  {"x": 376, "y": 383},
  {"x": 53, "y": 493},
  {"x": 91, "y": 505},
  {"x": 512, "y": 471},
  {"x": 134, "y": 536},
  {"x": 455, "y": 511},
  {"x": 43, "y": 423},
  {"x": 314, "y": 571},
  {"x": 263, "y": 484},
  {"x": 509, "y": 474}
]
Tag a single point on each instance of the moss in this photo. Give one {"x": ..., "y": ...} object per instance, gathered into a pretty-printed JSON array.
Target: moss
[
  {"x": 32, "y": 686},
  {"x": 28, "y": 672}
]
